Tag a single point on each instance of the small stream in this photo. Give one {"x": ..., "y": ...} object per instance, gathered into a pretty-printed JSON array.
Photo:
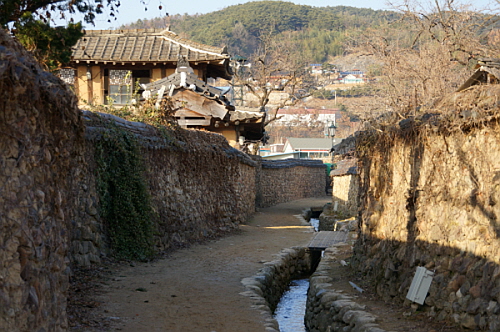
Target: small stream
[{"x": 292, "y": 307}]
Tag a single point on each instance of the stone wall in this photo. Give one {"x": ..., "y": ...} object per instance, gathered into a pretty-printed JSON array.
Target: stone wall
[
  {"x": 200, "y": 187},
  {"x": 41, "y": 144},
  {"x": 179, "y": 173},
  {"x": 287, "y": 180},
  {"x": 329, "y": 309},
  {"x": 345, "y": 193},
  {"x": 202, "y": 192},
  {"x": 430, "y": 198}
]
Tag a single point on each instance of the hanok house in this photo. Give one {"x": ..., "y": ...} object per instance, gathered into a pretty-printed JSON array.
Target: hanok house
[
  {"x": 106, "y": 65},
  {"x": 199, "y": 105},
  {"x": 114, "y": 67}
]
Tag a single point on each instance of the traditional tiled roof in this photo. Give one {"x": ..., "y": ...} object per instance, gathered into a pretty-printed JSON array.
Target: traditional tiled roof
[
  {"x": 142, "y": 45},
  {"x": 191, "y": 82}
]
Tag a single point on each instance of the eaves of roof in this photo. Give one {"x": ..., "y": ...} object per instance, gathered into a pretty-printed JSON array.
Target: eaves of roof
[{"x": 480, "y": 76}]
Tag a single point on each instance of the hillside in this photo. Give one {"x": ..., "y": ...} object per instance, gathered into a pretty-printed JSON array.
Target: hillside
[{"x": 322, "y": 31}]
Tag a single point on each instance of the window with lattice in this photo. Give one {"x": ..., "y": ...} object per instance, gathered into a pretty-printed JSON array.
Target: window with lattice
[
  {"x": 124, "y": 85},
  {"x": 67, "y": 75},
  {"x": 120, "y": 86}
]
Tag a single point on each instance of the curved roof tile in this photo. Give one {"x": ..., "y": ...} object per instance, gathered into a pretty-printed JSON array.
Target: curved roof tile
[{"x": 146, "y": 45}]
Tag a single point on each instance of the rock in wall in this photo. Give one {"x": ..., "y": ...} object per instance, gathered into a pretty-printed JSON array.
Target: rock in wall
[
  {"x": 41, "y": 141},
  {"x": 429, "y": 197}
]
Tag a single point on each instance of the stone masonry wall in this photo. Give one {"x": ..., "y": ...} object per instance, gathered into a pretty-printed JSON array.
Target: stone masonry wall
[
  {"x": 202, "y": 192},
  {"x": 200, "y": 187},
  {"x": 178, "y": 180},
  {"x": 432, "y": 200},
  {"x": 287, "y": 180},
  {"x": 329, "y": 309},
  {"x": 41, "y": 144}
]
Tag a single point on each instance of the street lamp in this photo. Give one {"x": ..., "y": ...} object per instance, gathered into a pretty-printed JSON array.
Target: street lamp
[{"x": 330, "y": 132}]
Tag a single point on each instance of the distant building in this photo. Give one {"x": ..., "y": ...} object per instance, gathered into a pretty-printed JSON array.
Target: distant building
[
  {"x": 352, "y": 77},
  {"x": 316, "y": 68},
  {"x": 310, "y": 148},
  {"x": 301, "y": 116}
]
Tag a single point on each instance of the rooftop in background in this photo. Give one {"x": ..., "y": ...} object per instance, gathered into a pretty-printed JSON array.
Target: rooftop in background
[
  {"x": 144, "y": 46},
  {"x": 306, "y": 111}
]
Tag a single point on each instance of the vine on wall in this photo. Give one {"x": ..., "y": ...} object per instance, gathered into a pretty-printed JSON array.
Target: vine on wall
[{"x": 125, "y": 203}]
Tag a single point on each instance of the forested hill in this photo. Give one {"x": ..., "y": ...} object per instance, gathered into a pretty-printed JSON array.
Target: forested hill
[{"x": 321, "y": 30}]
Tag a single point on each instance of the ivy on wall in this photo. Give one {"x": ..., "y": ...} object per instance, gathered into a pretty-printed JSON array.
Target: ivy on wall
[{"x": 125, "y": 203}]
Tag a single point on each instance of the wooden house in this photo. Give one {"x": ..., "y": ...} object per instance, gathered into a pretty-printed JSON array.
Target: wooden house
[
  {"x": 107, "y": 65},
  {"x": 115, "y": 67}
]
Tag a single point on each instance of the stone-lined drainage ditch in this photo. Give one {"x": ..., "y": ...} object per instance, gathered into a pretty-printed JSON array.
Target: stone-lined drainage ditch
[
  {"x": 327, "y": 310},
  {"x": 268, "y": 285}
]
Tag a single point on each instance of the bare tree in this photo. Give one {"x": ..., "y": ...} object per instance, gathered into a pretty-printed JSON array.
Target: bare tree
[
  {"x": 277, "y": 67},
  {"x": 430, "y": 51}
]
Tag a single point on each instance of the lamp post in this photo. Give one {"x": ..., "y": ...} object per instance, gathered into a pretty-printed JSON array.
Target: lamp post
[{"x": 330, "y": 132}]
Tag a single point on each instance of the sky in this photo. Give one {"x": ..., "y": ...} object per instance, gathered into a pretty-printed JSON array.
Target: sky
[{"x": 132, "y": 10}]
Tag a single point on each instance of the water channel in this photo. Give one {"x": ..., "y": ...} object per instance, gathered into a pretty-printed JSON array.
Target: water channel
[{"x": 292, "y": 307}]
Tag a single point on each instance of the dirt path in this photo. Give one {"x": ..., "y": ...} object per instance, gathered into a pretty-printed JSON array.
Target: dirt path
[{"x": 197, "y": 289}]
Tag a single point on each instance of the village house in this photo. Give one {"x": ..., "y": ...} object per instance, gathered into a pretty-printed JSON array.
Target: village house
[
  {"x": 114, "y": 67},
  {"x": 304, "y": 116},
  {"x": 107, "y": 64},
  {"x": 316, "y": 68},
  {"x": 351, "y": 77},
  {"x": 311, "y": 148}
]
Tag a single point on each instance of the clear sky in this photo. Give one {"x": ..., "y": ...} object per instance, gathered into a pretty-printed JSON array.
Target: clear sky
[{"x": 132, "y": 10}]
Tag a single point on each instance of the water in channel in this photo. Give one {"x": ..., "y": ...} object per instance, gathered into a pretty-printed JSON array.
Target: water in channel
[
  {"x": 314, "y": 223},
  {"x": 292, "y": 307}
]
